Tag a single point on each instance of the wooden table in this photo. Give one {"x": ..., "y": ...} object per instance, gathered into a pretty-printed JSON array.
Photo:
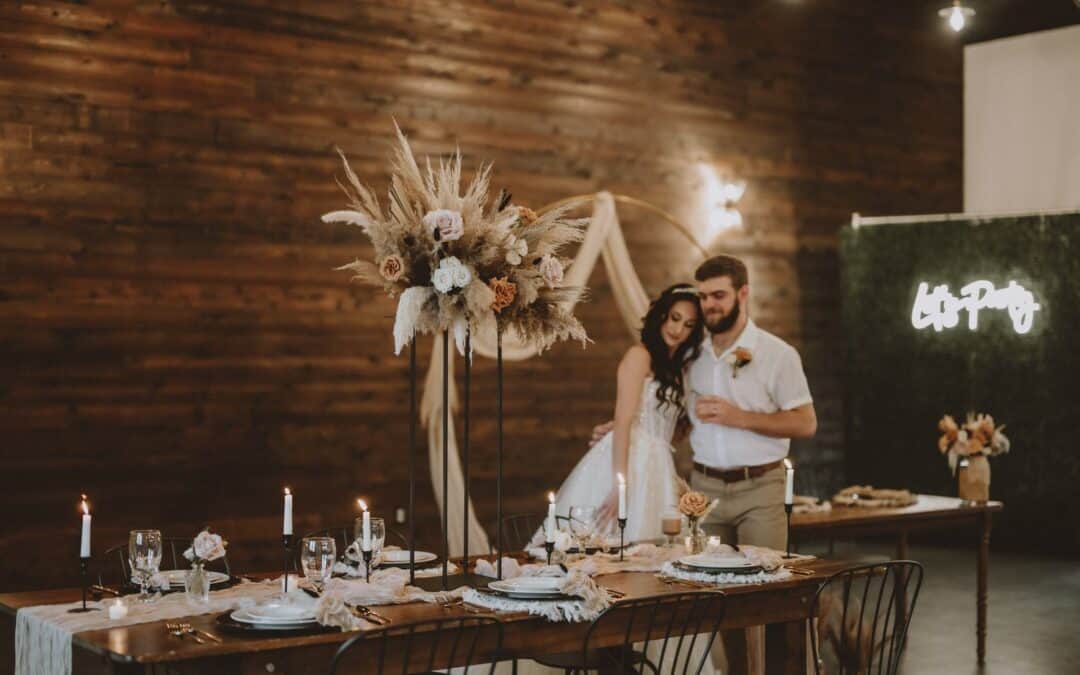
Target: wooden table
[
  {"x": 930, "y": 512},
  {"x": 147, "y": 648}
]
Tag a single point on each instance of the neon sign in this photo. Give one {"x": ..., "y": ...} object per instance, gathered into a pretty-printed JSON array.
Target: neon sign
[{"x": 941, "y": 309}]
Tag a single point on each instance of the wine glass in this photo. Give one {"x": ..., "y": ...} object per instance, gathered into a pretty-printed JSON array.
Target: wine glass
[
  {"x": 144, "y": 556},
  {"x": 378, "y": 537},
  {"x": 317, "y": 557},
  {"x": 671, "y": 525},
  {"x": 582, "y": 523}
]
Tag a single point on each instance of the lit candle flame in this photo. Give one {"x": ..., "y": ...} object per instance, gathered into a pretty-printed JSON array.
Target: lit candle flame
[
  {"x": 362, "y": 503},
  {"x": 288, "y": 491},
  {"x": 622, "y": 481},
  {"x": 787, "y": 463},
  {"x": 85, "y": 507},
  {"x": 551, "y": 497}
]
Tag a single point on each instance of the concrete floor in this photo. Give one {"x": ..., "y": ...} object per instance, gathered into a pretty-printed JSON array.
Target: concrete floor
[{"x": 1034, "y": 613}]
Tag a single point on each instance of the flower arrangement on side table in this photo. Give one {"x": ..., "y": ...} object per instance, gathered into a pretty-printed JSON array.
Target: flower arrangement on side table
[{"x": 967, "y": 448}]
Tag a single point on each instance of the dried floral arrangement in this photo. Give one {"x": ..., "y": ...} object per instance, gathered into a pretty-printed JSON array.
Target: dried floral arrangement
[
  {"x": 456, "y": 262},
  {"x": 977, "y": 436}
]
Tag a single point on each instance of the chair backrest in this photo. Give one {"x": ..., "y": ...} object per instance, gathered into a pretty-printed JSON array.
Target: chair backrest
[
  {"x": 518, "y": 530},
  {"x": 679, "y": 630},
  {"x": 423, "y": 647},
  {"x": 344, "y": 535},
  {"x": 115, "y": 560},
  {"x": 859, "y": 618}
]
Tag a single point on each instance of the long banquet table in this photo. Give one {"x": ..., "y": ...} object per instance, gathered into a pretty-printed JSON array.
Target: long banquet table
[
  {"x": 929, "y": 512},
  {"x": 149, "y": 649}
]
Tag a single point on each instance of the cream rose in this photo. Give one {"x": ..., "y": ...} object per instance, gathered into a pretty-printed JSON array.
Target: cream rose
[
  {"x": 206, "y": 547},
  {"x": 693, "y": 504}
]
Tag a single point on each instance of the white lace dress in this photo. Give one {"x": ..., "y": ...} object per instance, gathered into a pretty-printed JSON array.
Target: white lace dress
[{"x": 651, "y": 483}]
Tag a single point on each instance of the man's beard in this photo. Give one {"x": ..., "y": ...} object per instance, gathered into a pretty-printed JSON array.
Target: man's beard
[{"x": 725, "y": 324}]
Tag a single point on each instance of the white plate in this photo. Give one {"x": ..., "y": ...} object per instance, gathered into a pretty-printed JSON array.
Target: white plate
[
  {"x": 176, "y": 577},
  {"x": 399, "y": 557},
  {"x": 529, "y": 587},
  {"x": 279, "y": 612},
  {"x": 242, "y": 616},
  {"x": 713, "y": 561}
]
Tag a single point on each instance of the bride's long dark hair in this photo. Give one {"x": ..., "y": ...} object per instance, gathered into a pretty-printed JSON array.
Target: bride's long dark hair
[{"x": 668, "y": 368}]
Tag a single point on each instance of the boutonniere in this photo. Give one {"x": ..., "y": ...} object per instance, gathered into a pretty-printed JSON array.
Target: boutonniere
[{"x": 739, "y": 358}]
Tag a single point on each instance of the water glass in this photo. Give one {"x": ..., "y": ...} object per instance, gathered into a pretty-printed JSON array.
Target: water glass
[
  {"x": 144, "y": 556},
  {"x": 671, "y": 525},
  {"x": 317, "y": 558},
  {"x": 378, "y": 537},
  {"x": 582, "y": 524}
]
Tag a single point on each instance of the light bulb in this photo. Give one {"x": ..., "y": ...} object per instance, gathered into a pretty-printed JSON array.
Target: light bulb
[{"x": 956, "y": 19}]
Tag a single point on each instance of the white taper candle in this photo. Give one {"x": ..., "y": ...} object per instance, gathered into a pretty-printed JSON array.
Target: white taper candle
[
  {"x": 549, "y": 523},
  {"x": 84, "y": 542},
  {"x": 365, "y": 541},
  {"x": 622, "y": 497},
  {"x": 789, "y": 486},
  {"x": 286, "y": 526}
]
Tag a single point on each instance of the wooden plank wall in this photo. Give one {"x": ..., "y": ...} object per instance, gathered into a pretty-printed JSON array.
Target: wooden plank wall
[{"x": 174, "y": 341}]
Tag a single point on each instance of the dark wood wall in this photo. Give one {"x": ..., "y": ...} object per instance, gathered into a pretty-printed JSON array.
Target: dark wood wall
[{"x": 174, "y": 341}]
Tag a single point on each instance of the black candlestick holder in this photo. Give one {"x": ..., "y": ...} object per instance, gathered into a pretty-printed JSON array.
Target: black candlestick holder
[
  {"x": 367, "y": 564},
  {"x": 787, "y": 509},
  {"x": 549, "y": 546},
  {"x": 85, "y": 577},
  {"x": 287, "y": 540},
  {"x": 622, "y": 537}
]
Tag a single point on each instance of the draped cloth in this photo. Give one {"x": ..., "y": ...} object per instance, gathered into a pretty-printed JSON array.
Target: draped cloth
[{"x": 603, "y": 239}]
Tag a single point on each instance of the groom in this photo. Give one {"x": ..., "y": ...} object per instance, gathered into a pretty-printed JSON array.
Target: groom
[{"x": 748, "y": 397}]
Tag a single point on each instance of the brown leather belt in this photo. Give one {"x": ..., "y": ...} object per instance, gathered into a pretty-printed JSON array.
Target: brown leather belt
[{"x": 736, "y": 475}]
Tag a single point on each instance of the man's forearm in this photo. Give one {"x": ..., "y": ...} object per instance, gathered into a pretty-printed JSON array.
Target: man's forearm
[{"x": 798, "y": 423}]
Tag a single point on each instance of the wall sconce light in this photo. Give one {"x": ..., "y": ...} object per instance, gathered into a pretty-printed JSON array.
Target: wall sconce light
[
  {"x": 721, "y": 197},
  {"x": 957, "y": 15}
]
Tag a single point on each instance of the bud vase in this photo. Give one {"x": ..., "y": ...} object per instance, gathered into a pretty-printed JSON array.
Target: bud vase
[
  {"x": 974, "y": 481},
  {"x": 696, "y": 540},
  {"x": 197, "y": 584}
]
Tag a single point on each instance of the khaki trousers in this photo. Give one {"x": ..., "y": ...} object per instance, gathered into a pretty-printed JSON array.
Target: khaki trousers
[{"x": 750, "y": 512}]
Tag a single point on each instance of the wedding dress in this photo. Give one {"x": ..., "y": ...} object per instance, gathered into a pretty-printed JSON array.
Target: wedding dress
[{"x": 651, "y": 484}]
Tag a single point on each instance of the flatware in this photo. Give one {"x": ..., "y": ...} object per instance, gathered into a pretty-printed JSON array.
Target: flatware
[
  {"x": 368, "y": 614},
  {"x": 179, "y": 631},
  {"x": 188, "y": 628},
  {"x": 105, "y": 590}
]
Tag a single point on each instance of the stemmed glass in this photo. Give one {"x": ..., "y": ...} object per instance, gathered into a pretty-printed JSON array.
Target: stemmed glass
[
  {"x": 317, "y": 557},
  {"x": 671, "y": 525},
  {"x": 582, "y": 523},
  {"x": 378, "y": 538},
  {"x": 144, "y": 556}
]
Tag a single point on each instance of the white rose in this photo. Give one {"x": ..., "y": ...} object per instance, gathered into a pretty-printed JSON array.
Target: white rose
[
  {"x": 551, "y": 270},
  {"x": 563, "y": 541},
  {"x": 445, "y": 224},
  {"x": 443, "y": 279},
  {"x": 206, "y": 546},
  {"x": 462, "y": 276},
  {"x": 516, "y": 250}
]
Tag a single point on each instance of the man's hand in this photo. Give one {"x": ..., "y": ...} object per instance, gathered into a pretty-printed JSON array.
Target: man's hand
[
  {"x": 717, "y": 410},
  {"x": 601, "y": 430}
]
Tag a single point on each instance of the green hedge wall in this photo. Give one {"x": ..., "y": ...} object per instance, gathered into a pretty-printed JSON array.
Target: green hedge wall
[{"x": 899, "y": 380}]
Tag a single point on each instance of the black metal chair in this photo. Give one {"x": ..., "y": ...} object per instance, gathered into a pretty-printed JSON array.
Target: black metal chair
[
  {"x": 115, "y": 560},
  {"x": 423, "y": 647},
  {"x": 344, "y": 535},
  {"x": 859, "y": 618},
  {"x": 674, "y": 633}
]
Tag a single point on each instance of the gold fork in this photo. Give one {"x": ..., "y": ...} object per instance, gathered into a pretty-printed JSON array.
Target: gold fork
[{"x": 178, "y": 630}]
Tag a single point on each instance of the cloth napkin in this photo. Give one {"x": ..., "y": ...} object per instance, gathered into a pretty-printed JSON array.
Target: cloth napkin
[
  {"x": 590, "y": 602},
  {"x": 387, "y": 587}
]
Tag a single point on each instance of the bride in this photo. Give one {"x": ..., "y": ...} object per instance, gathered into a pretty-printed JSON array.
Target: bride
[{"x": 649, "y": 409}]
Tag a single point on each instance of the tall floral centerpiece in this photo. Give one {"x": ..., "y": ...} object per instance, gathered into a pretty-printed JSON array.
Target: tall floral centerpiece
[
  {"x": 456, "y": 261},
  {"x": 967, "y": 448}
]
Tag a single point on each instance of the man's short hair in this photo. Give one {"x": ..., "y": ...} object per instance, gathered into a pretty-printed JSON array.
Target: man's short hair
[{"x": 724, "y": 266}]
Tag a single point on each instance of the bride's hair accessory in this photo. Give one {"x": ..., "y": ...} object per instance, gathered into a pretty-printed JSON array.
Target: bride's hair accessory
[{"x": 688, "y": 291}]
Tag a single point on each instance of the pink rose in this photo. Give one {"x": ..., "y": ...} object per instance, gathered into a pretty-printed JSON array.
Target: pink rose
[
  {"x": 551, "y": 270},
  {"x": 446, "y": 225}
]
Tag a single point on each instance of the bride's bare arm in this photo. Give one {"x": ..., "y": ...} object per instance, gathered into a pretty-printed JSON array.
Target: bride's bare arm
[{"x": 633, "y": 369}]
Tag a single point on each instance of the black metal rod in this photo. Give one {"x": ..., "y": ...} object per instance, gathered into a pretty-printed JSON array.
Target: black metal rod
[
  {"x": 465, "y": 448},
  {"x": 549, "y": 546},
  {"x": 367, "y": 564},
  {"x": 412, "y": 460},
  {"x": 622, "y": 537},
  {"x": 499, "y": 446},
  {"x": 445, "y": 453},
  {"x": 788, "y": 508},
  {"x": 85, "y": 582},
  {"x": 287, "y": 540}
]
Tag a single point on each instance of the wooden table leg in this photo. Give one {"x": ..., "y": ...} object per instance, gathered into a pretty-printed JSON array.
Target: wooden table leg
[
  {"x": 980, "y": 593},
  {"x": 785, "y": 648}
]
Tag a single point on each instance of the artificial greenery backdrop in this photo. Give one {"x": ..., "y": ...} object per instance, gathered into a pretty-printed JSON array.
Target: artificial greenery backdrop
[{"x": 899, "y": 380}]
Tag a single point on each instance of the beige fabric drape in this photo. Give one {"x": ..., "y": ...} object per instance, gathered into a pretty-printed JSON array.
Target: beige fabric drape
[{"x": 603, "y": 238}]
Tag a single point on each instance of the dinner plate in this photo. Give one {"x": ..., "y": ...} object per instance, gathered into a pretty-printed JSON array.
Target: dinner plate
[
  {"x": 226, "y": 621},
  {"x": 176, "y": 577},
  {"x": 399, "y": 557},
  {"x": 245, "y": 616},
  {"x": 529, "y": 587},
  {"x": 712, "y": 561},
  {"x": 279, "y": 611}
]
